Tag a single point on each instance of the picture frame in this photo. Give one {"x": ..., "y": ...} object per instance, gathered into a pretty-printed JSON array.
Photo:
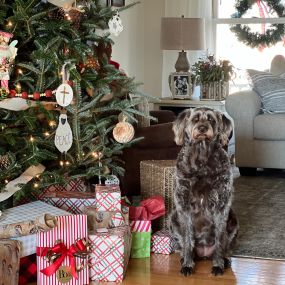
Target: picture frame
[
  {"x": 116, "y": 3},
  {"x": 180, "y": 85}
]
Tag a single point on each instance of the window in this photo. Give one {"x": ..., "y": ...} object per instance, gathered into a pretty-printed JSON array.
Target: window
[{"x": 259, "y": 18}]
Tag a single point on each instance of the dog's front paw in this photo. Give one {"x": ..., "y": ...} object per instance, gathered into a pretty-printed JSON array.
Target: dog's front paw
[
  {"x": 227, "y": 263},
  {"x": 216, "y": 270},
  {"x": 187, "y": 270}
]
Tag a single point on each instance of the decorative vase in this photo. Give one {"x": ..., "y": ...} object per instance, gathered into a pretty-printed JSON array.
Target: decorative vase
[{"x": 217, "y": 90}]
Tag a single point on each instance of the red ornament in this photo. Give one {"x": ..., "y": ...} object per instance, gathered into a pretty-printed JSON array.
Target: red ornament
[
  {"x": 116, "y": 64},
  {"x": 37, "y": 95},
  {"x": 25, "y": 95},
  {"x": 48, "y": 93},
  {"x": 12, "y": 93}
]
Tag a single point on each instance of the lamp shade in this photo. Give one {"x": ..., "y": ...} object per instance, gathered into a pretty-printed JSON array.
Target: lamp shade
[{"x": 182, "y": 33}]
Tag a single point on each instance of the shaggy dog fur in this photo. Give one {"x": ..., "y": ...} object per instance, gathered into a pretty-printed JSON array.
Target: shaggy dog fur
[{"x": 202, "y": 221}]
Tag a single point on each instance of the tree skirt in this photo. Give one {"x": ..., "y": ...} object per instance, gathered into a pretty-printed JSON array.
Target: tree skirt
[{"x": 259, "y": 203}]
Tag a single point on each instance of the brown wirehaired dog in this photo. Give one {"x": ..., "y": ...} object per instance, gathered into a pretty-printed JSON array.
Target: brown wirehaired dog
[{"x": 202, "y": 221}]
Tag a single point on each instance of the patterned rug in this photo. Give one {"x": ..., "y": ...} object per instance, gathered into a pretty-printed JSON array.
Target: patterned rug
[{"x": 259, "y": 203}]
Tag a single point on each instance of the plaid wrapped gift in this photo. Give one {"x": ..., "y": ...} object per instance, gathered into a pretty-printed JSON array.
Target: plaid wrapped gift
[
  {"x": 25, "y": 213},
  {"x": 157, "y": 178},
  {"x": 110, "y": 252},
  {"x": 10, "y": 261},
  {"x": 66, "y": 237},
  {"x": 102, "y": 219},
  {"x": 28, "y": 269},
  {"x": 141, "y": 237},
  {"x": 72, "y": 202},
  {"x": 161, "y": 242},
  {"x": 108, "y": 198}
]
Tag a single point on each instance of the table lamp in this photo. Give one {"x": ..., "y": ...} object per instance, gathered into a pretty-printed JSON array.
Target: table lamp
[{"x": 182, "y": 34}]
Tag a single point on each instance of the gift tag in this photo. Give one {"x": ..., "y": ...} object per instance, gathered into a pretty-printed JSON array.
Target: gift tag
[
  {"x": 63, "y": 274},
  {"x": 64, "y": 95},
  {"x": 115, "y": 25},
  {"x": 63, "y": 135}
]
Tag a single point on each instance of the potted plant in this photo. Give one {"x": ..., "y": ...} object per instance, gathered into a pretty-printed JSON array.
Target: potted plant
[{"x": 213, "y": 76}]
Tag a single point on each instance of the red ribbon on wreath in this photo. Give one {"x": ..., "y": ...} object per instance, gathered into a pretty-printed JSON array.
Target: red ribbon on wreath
[{"x": 61, "y": 250}]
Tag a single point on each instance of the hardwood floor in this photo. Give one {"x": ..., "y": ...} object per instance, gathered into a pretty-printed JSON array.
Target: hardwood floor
[{"x": 164, "y": 270}]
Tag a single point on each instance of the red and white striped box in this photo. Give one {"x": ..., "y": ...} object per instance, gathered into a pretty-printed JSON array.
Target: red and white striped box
[
  {"x": 108, "y": 198},
  {"x": 72, "y": 202},
  {"x": 161, "y": 242},
  {"x": 141, "y": 226},
  {"x": 70, "y": 230},
  {"x": 109, "y": 254}
]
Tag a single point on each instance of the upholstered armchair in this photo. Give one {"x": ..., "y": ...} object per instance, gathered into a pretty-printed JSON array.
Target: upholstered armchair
[{"x": 259, "y": 136}]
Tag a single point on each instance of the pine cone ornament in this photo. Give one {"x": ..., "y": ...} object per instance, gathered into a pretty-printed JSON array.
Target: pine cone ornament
[
  {"x": 4, "y": 161},
  {"x": 57, "y": 14},
  {"x": 92, "y": 63},
  {"x": 75, "y": 16}
]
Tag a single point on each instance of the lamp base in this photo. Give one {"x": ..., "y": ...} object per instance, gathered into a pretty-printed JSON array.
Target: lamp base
[{"x": 182, "y": 63}]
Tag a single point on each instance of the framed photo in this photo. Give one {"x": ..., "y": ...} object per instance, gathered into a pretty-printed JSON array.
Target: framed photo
[
  {"x": 116, "y": 3},
  {"x": 180, "y": 85}
]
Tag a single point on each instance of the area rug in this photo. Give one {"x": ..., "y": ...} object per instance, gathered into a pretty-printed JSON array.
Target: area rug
[{"x": 259, "y": 203}]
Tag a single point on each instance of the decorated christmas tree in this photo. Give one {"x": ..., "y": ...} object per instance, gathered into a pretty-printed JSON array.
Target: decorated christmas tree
[{"x": 62, "y": 96}]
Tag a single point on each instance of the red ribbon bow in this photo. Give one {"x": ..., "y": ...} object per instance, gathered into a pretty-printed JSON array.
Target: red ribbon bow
[
  {"x": 149, "y": 209},
  {"x": 61, "y": 250}
]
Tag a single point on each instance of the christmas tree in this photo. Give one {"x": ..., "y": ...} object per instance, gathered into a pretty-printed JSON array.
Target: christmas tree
[{"x": 66, "y": 44}]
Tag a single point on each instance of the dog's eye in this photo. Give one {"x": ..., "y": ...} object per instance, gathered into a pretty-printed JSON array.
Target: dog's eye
[
  {"x": 195, "y": 119},
  {"x": 210, "y": 119}
]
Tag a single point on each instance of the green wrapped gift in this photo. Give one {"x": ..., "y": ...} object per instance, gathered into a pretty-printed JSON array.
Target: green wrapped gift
[{"x": 141, "y": 238}]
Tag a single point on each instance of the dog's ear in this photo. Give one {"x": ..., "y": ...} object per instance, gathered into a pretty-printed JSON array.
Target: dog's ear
[
  {"x": 225, "y": 128},
  {"x": 179, "y": 125}
]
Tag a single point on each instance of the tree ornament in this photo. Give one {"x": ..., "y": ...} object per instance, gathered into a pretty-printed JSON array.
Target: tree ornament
[
  {"x": 63, "y": 135},
  {"x": 269, "y": 37},
  {"x": 112, "y": 180},
  {"x": 7, "y": 56},
  {"x": 4, "y": 161},
  {"x": 62, "y": 3},
  {"x": 124, "y": 131},
  {"x": 115, "y": 25}
]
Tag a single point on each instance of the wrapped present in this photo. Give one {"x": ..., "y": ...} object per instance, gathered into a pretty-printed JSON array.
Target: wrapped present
[
  {"x": 141, "y": 237},
  {"x": 28, "y": 269},
  {"x": 28, "y": 212},
  {"x": 10, "y": 261},
  {"x": 108, "y": 198},
  {"x": 61, "y": 251},
  {"x": 161, "y": 263},
  {"x": 102, "y": 219},
  {"x": 110, "y": 252},
  {"x": 161, "y": 242},
  {"x": 73, "y": 202},
  {"x": 157, "y": 178}
]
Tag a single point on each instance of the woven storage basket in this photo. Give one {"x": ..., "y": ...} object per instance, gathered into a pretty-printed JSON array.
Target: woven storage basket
[{"x": 157, "y": 178}]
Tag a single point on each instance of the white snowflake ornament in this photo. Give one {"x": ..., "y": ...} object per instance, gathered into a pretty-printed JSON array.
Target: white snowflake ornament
[
  {"x": 115, "y": 25},
  {"x": 112, "y": 180}
]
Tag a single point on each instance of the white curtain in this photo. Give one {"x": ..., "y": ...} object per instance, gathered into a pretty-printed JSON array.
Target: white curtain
[{"x": 191, "y": 9}]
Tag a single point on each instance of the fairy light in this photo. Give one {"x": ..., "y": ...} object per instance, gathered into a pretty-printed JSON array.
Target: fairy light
[
  {"x": 95, "y": 154},
  {"x": 10, "y": 24},
  {"x": 52, "y": 123},
  {"x": 6, "y": 181},
  {"x": 46, "y": 134},
  {"x": 18, "y": 88},
  {"x": 32, "y": 139},
  {"x": 67, "y": 163},
  {"x": 36, "y": 185},
  {"x": 68, "y": 17},
  {"x": 61, "y": 163},
  {"x": 20, "y": 71}
]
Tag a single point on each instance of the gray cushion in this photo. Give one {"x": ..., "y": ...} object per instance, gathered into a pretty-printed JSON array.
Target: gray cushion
[
  {"x": 269, "y": 127},
  {"x": 270, "y": 88}
]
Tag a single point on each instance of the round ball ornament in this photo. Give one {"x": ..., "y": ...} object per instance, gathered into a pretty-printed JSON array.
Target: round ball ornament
[
  {"x": 123, "y": 132},
  {"x": 64, "y": 95},
  {"x": 254, "y": 39}
]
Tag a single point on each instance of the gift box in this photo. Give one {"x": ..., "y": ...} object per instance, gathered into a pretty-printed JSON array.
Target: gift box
[
  {"x": 61, "y": 251},
  {"x": 102, "y": 219},
  {"x": 9, "y": 261},
  {"x": 72, "y": 202},
  {"x": 109, "y": 254},
  {"x": 141, "y": 238},
  {"x": 161, "y": 242},
  {"x": 28, "y": 212},
  {"x": 108, "y": 198},
  {"x": 28, "y": 269},
  {"x": 161, "y": 263},
  {"x": 157, "y": 178}
]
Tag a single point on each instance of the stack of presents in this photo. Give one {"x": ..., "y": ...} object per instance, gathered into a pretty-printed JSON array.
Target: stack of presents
[{"x": 71, "y": 236}]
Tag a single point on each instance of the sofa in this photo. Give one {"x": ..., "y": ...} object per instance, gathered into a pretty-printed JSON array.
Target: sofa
[
  {"x": 158, "y": 144},
  {"x": 259, "y": 136}
]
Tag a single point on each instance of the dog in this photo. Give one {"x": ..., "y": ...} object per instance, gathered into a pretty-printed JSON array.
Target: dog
[{"x": 202, "y": 222}]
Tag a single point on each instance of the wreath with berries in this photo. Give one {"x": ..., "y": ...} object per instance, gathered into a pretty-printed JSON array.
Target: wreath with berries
[{"x": 254, "y": 39}]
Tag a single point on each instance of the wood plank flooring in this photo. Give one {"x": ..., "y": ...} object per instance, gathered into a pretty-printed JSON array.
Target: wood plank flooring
[{"x": 164, "y": 270}]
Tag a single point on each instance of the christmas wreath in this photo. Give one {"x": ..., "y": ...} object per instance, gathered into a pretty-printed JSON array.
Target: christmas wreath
[{"x": 254, "y": 39}]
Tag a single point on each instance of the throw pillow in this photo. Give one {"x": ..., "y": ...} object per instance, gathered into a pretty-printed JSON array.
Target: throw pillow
[{"x": 270, "y": 88}]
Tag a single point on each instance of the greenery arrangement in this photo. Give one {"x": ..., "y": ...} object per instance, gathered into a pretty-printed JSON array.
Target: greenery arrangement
[
  {"x": 255, "y": 39},
  {"x": 48, "y": 37},
  {"x": 208, "y": 70}
]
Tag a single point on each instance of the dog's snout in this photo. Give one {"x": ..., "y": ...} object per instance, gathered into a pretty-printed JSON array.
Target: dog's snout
[{"x": 203, "y": 129}]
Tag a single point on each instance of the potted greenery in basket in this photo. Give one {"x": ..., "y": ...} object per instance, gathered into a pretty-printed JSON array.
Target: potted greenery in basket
[{"x": 213, "y": 76}]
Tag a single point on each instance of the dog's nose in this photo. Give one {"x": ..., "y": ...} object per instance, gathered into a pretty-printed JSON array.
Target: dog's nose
[{"x": 203, "y": 129}]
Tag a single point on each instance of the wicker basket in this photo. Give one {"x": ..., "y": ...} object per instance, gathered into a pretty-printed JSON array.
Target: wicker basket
[{"x": 157, "y": 178}]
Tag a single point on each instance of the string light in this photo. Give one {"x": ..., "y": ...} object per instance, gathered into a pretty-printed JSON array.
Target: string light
[
  {"x": 10, "y": 24},
  {"x": 95, "y": 154},
  {"x": 6, "y": 181},
  {"x": 46, "y": 134},
  {"x": 67, "y": 163},
  {"x": 36, "y": 185},
  {"x": 52, "y": 123},
  {"x": 32, "y": 139},
  {"x": 18, "y": 88},
  {"x": 68, "y": 17},
  {"x": 20, "y": 71},
  {"x": 61, "y": 163}
]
